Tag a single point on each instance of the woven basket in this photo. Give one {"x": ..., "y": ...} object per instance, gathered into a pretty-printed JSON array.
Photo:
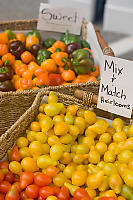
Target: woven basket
[
  {"x": 20, "y": 126},
  {"x": 14, "y": 104}
]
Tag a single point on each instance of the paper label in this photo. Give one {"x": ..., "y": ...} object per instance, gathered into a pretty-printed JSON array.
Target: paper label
[
  {"x": 116, "y": 86},
  {"x": 59, "y": 19}
]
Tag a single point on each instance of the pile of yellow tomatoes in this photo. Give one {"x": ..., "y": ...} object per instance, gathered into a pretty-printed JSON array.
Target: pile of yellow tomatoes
[{"x": 87, "y": 151}]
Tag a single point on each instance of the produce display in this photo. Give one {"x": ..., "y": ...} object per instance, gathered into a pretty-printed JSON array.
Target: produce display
[
  {"x": 28, "y": 62},
  {"x": 68, "y": 153}
]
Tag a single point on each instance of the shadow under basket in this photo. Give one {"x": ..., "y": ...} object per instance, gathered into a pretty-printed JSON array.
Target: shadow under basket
[{"x": 19, "y": 128}]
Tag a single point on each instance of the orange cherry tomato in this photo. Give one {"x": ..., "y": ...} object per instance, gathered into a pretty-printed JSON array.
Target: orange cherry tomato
[
  {"x": 23, "y": 195},
  {"x": 12, "y": 194},
  {"x": 27, "y": 74},
  {"x": 95, "y": 71},
  {"x": 68, "y": 75},
  {"x": 17, "y": 185},
  {"x": 3, "y": 38},
  {"x": 42, "y": 179},
  {"x": 49, "y": 65},
  {"x": 2, "y": 196},
  {"x": 3, "y": 49},
  {"x": 1, "y": 176},
  {"x": 26, "y": 57},
  {"x": 30, "y": 40},
  {"x": 32, "y": 191},
  {"x": 8, "y": 59},
  {"x": 21, "y": 37},
  {"x": 20, "y": 69},
  {"x": 46, "y": 191},
  {"x": 39, "y": 71},
  {"x": 51, "y": 171},
  {"x": 63, "y": 194}
]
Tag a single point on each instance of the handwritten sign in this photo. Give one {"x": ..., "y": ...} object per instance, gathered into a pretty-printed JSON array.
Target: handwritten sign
[
  {"x": 59, "y": 19},
  {"x": 116, "y": 87}
]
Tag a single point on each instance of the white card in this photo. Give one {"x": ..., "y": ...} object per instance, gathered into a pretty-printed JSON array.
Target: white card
[
  {"x": 59, "y": 19},
  {"x": 116, "y": 86}
]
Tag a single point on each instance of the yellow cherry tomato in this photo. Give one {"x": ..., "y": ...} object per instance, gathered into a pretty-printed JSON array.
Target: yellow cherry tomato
[
  {"x": 66, "y": 158},
  {"x": 91, "y": 192},
  {"x": 108, "y": 193},
  {"x": 105, "y": 137},
  {"x": 61, "y": 128},
  {"x": 50, "y": 132},
  {"x": 31, "y": 136},
  {"x": 112, "y": 146},
  {"x": 94, "y": 157},
  {"x": 51, "y": 198},
  {"x": 52, "y": 109},
  {"x": 89, "y": 141},
  {"x": 69, "y": 170},
  {"x": 95, "y": 180},
  {"x": 40, "y": 116},
  {"x": 69, "y": 119},
  {"x": 130, "y": 164},
  {"x": 90, "y": 133},
  {"x": 41, "y": 137},
  {"x": 82, "y": 149},
  {"x": 66, "y": 139},
  {"x": 29, "y": 164},
  {"x": 45, "y": 148},
  {"x": 131, "y": 131},
  {"x": 128, "y": 177},
  {"x": 46, "y": 124},
  {"x": 74, "y": 130},
  {"x": 99, "y": 127},
  {"x": 109, "y": 156},
  {"x": 58, "y": 118},
  {"x": 41, "y": 108},
  {"x": 115, "y": 183},
  {"x": 126, "y": 129},
  {"x": 15, "y": 167},
  {"x": 56, "y": 152},
  {"x": 80, "y": 122},
  {"x": 22, "y": 142},
  {"x": 101, "y": 164},
  {"x": 73, "y": 148},
  {"x": 117, "y": 124},
  {"x": 72, "y": 109},
  {"x": 101, "y": 147},
  {"x": 104, "y": 184},
  {"x": 61, "y": 167},
  {"x": 119, "y": 136},
  {"x": 79, "y": 178},
  {"x": 80, "y": 113},
  {"x": 53, "y": 139},
  {"x": 90, "y": 117},
  {"x": 125, "y": 156},
  {"x": 45, "y": 161},
  {"x": 35, "y": 126},
  {"x": 52, "y": 98},
  {"x": 35, "y": 148},
  {"x": 121, "y": 198},
  {"x": 92, "y": 169},
  {"x": 59, "y": 180},
  {"x": 109, "y": 169},
  {"x": 24, "y": 152}
]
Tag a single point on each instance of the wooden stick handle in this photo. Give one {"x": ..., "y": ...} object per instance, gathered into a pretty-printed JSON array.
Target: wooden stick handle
[{"x": 80, "y": 93}]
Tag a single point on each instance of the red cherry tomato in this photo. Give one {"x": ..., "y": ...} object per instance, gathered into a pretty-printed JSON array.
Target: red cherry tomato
[
  {"x": 1, "y": 176},
  {"x": 42, "y": 179},
  {"x": 4, "y": 165},
  {"x": 26, "y": 178},
  {"x": 2, "y": 196},
  {"x": 81, "y": 193},
  {"x": 56, "y": 190},
  {"x": 17, "y": 184},
  {"x": 23, "y": 195},
  {"x": 9, "y": 177},
  {"x": 5, "y": 186},
  {"x": 32, "y": 191},
  {"x": 107, "y": 198},
  {"x": 12, "y": 194},
  {"x": 40, "y": 198},
  {"x": 63, "y": 194},
  {"x": 46, "y": 191}
]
